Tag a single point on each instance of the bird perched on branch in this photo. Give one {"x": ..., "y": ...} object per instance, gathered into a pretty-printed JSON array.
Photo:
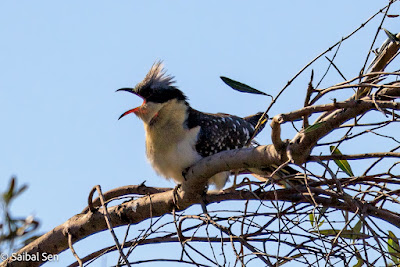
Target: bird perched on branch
[{"x": 177, "y": 136}]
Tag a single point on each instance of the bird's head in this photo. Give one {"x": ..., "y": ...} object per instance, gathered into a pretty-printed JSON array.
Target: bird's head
[{"x": 156, "y": 89}]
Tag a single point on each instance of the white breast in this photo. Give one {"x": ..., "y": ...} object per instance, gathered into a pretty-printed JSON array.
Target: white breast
[
  {"x": 170, "y": 146},
  {"x": 170, "y": 158}
]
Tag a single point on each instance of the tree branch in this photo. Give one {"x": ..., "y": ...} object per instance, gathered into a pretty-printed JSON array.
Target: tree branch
[{"x": 133, "y": 212}]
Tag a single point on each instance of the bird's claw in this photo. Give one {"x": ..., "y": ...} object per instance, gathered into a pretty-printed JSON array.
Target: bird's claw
[{"x": 175, "y": 195}]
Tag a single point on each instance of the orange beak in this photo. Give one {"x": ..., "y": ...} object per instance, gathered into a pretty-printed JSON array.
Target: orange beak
[{"x": 134, "y": 110}]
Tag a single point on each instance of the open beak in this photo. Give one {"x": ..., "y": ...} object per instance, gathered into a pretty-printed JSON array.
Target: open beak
[{"x": 134, "y": 110}]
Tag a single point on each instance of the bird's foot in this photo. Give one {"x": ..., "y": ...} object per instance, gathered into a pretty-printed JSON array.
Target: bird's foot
[
  {"x": 175, "y": 195},
  {"x": 184, "y": 173},
  {"x": 204, "y": 201}
]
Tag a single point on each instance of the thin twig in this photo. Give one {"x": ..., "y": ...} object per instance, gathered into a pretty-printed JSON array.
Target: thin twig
[
  {"x": 71, "y": 247},
  {"x": 110, "y": 228}
]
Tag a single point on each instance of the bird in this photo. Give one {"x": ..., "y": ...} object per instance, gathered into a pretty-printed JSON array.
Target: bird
[{"x": 177, "y": 135}]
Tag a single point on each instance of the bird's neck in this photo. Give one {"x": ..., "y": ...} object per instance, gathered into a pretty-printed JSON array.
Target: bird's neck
[{"x": 168, "y": 121}]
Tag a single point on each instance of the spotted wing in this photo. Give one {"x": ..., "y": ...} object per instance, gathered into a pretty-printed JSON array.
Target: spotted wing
[{"x": 220, "y": 132}]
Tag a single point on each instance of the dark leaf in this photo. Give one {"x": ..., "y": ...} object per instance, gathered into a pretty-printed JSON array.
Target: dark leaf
[
  {"x": 7, "y": 196},
  {"x": 20, "y": 190},
  {"x": 241, "y": 87},
  {"x": 391, "y": 36}
]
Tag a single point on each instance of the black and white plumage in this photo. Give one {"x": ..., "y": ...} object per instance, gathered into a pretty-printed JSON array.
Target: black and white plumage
[
  {"x": 221, "y": 131},
  {"x": 177, "y": 136}
]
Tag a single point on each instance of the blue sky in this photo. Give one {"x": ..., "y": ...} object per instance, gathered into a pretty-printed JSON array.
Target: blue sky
[{"x": 61, "y": 63}]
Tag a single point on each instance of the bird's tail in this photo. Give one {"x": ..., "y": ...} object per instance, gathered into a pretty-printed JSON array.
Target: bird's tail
[{"x": 253, "y": 120}]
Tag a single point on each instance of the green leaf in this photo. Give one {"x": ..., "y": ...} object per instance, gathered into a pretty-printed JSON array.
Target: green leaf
[
  {"x": 311, "y": 216},
  {"x": 315, "y": 220},
  {"x": 394, "y": 248},
  {"x": 314, "y": 127},
  {"x": 359, "y": 263},
  {"x": 241, "y": 87},
  {"x": 318, "y": 219},
  {"x": 342, "y": 163},
  {"x": 357, "y": 227},
  {"x": 348, "y": 234}
]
